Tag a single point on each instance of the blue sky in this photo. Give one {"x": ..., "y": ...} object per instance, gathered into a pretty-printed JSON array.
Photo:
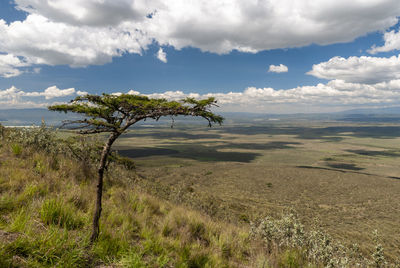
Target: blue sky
[{"x": 338, "y": 56}]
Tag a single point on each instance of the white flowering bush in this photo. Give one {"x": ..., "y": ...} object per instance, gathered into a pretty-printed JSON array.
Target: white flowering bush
[
  {"x": 40, "y": 138},
  {"x": 378, "y": 257},
  {"x": 314, "y": 245}
]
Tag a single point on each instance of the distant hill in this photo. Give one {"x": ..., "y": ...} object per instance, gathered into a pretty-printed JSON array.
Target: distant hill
[
  {"x": 28, "y": 117},
  {"x": 388, "y": 110}
]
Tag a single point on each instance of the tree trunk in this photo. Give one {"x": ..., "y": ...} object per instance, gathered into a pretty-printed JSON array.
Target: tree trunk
[{"x": 100, "y": 173}]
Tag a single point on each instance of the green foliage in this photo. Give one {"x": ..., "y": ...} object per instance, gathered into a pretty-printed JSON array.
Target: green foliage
[
  {"x": 7, "y": 203},
  {"x": 55, "y": 212},
  {"x": 86, "y": 149},
  {"x": 109, "y": 247},
  {"x": 41, "y": 138},
  {"x": 290, "y": 259},
  {"x": 2, "y": 131},
  {"x": 126, "y": 162},
  {"x": 16, "y": 149},
  {"x": 244, "y": 218},
  {"x": 288, "y": 236},
  {"x": 111, "y": 113},
  {"x": 39, "y": 167},
  {"x": 19, "y": 222},
  {"x": 198, "y": 231},
  {"x": 54, "y": 249},
  {"x": 133, "y": 260}
]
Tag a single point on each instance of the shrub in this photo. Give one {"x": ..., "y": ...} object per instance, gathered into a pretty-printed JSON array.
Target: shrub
[
  {"x": 290, "y": 259},
  {"x": 378, "y": 257},
  {"x": 16, "y": 149},
  {"x": 126, "y": 162},
  {"x": 7, "y": 203},
  {"x": 2, "y": 131},
  {"x": 288, "y": 234}
]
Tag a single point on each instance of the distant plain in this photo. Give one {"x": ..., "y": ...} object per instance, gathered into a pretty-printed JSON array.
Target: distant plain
[{"x": 342, "y": 176}]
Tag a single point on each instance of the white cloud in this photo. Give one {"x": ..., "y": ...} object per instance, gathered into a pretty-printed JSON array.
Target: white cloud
[
  {"x": 161, "y": 55},
  {"x": 250, "y": 26},
  {"x": 17, "y": 98},
  {"x": 278, "y": 68},
  {"x": 335, "y": 95},
  {"x": 54, "y": 92},
  {"x": 9, "y": 64},
  {"x": 369, "y": 70},
  {"x": 133, "y": 92},
  {"x": 92, "y": 32},
  {"x": 82, "y": 93},
  {"x": 392, "y": 42},
  {"x": 42, "y": 41},
  {"x": 87, "y": 12}
]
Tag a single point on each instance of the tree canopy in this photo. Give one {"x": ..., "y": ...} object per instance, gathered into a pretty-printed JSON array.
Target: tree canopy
[{"x": 112, "y": 113}]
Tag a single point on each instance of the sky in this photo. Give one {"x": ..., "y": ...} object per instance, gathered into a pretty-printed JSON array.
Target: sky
[{"x": 263, "y": 56}]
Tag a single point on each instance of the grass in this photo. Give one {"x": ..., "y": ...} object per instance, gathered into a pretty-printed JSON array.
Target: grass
[
  {"x": 16, "y": 149},
  {"x": 45, "y": 221},
  {"x": 55, "y": 212}
]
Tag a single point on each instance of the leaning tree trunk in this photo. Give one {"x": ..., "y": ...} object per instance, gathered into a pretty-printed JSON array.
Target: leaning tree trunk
[{"x": 100, "y": 174}]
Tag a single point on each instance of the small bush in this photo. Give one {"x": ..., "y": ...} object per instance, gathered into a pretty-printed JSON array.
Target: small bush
[
  {"x": 197, "y": 230},
  {"x": 126, "y": 162},
  {"x": 19, "y": 222},
  {"x": 290, "y": 259},
  {"x": 244, "y": 218},
  {"x": 7, "y": 203},
  {"x": 54, "y": 212},
  {"x": 288, "y": 235},
  {"x": 39, "y": 167},
  {"x": 378, "y": 257},
  {"x": 199, "y": 260},
  {"x": 16, "y": 149}
]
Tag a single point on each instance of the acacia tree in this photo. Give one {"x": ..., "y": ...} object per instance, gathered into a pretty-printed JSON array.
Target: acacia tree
[{"x": 115, "y": 114}]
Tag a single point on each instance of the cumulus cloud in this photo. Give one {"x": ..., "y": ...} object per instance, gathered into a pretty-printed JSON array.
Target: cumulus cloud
[
  {"x": 41, "y": 41},
  {"x": 82, "y": 93},
  {"x": 54, "y": 92},
  {"x": 89, "y": 32},
  {"x": 364, "y": 69},
  {"x": 278, "y": 68},
  {"x": 9, "y": 65},
  {"x": 250, "y": 26},
  {"x": 392, "y": 42},
  {"x": 87, "y": 12},
  {"x": 17, "y": 98},
  {"x": 161, "y": 55}
]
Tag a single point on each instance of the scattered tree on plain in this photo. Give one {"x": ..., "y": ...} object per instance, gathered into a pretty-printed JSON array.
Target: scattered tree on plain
[{"x": 115, "y": 114}]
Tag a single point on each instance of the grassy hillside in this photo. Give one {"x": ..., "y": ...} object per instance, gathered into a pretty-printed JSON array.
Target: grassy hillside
[{"x": 46, "y": 199}]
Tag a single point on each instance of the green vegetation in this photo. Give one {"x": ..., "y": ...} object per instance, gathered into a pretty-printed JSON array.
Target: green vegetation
[{"x": 45, "y": 217}]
